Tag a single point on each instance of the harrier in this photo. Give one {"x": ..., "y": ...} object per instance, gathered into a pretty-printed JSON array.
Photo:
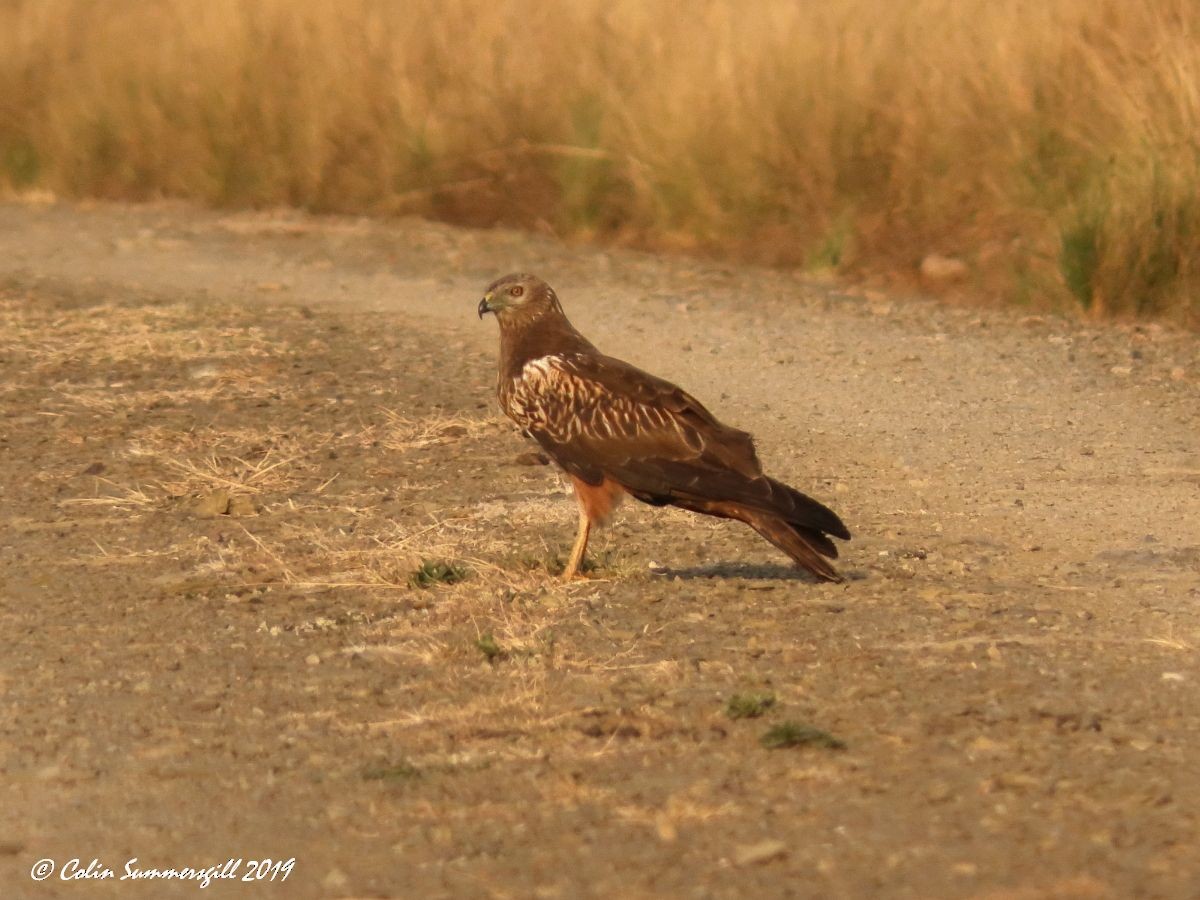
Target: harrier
[{"x": 617, "y": 430}]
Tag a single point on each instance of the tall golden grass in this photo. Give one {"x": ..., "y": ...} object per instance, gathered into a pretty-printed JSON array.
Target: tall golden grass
[{"x": 1053, "y": 146}]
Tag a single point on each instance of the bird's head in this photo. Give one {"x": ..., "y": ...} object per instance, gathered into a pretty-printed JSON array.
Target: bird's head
[{"x": 515, "y": 298}]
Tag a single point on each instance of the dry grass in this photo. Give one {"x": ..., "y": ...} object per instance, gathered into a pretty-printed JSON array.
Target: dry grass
[
  {"x": 1054, "y": 147},
  {"x": 97, "y": 372},
  {"x": 319, "y": 550}
]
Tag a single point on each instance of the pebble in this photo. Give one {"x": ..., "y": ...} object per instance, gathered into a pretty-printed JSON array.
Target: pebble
[
  {"x": 335, "y": 880},
  {"x": 939, "y": 792},
  {"x": 756, "y": 854},
  {"x": 939, "y": 269},
  {"x": 241, "y": 506},
  {"x": 210, "y": 505}
]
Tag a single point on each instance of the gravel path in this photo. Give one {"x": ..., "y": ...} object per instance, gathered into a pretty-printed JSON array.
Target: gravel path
[{"x": 1013, "y": 662}]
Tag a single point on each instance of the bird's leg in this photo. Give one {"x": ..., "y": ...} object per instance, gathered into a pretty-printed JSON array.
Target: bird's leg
[{"x": 571, "y": 572}]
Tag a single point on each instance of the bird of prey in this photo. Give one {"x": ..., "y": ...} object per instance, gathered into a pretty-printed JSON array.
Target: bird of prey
[{"x": 617, "y": 430}]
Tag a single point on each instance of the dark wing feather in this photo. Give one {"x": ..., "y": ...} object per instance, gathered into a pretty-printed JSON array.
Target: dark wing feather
[
  {"x": 598, "y": 416},
  {"x": 646, "y": 413}
]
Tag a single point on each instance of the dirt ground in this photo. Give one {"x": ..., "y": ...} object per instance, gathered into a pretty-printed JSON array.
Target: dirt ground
[{"x": 230, "y": 444}]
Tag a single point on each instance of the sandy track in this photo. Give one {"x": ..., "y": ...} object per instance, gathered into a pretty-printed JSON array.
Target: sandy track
[{"x": 1013, "y": 663}]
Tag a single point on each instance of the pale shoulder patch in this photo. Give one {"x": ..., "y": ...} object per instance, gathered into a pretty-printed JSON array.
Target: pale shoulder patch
[
  {"x": 545, "y": 371},
  {"x": 541, "y": 367}
]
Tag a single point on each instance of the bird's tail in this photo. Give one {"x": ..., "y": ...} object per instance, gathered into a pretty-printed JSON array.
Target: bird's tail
[
  {"x": 804, "y": 545},
  {"x": 794, "y": 522}
]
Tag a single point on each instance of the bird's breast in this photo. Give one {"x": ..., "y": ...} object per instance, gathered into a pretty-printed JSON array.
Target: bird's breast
[{"x": 530, "y": 395}]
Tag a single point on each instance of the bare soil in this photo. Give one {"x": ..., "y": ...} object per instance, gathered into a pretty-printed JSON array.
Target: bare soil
[{"x": 229, "y": 444}]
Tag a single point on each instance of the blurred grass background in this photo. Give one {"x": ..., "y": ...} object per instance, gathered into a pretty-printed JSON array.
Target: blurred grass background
[{"x": 1053, "y": 147}]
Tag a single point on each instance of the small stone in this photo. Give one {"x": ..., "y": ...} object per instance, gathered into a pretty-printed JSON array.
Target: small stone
[
  {"x": 312, "y": 660},
  {"x": 1016, "y": 781},
  {"x": 937, "y": 269},
  {"x": 94, "y": 469},
  {"x": 1177, "y": 373},
  {"x": 335, "y": 880},
  {"x": 983, "y": 744},
  {"x": 242, "y": 506},
  {"x": 207, "y": 370},
  {"x": 756, "y": 854},
  {"x": 939, "y": 792},
  {"x": 531, "y": 458},
  {"x": 1121, "y": 370},
  {"x": 667, "y": 832},
  {"x": 38, "y": 197},
  {"x": 210, "y": 505}
]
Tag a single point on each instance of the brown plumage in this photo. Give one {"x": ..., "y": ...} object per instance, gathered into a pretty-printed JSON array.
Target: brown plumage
[{"x": 617, "y": 430}]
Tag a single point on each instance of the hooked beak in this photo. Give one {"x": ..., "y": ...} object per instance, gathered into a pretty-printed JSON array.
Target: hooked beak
[{"x": 485, "y": 305}]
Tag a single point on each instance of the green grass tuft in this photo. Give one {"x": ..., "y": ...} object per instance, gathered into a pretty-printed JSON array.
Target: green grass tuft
[
  {"x": 432, "y": 572},
  {"x": 486, "y": 643},
  {"x": 1079, "y": 258},
  {"x": 795, "y": 734},
  {"x": 748, "y": 706},
  {"x": 834, "y": 249},
  {"x": 19, "y": 162},
  {"x": 554, "y": 563},
  {"x": 401, "y": 771}
]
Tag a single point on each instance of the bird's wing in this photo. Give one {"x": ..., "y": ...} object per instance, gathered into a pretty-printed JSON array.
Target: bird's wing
[
  {"x": 601, "y": 414},
  {"x": 598, "y": 416}
]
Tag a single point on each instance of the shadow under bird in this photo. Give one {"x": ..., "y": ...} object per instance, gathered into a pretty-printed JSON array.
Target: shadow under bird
[{"x": 617, "y": 430}]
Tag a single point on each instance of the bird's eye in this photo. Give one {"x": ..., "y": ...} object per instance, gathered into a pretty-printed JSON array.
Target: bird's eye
[{"x": 516, "y": 291}]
